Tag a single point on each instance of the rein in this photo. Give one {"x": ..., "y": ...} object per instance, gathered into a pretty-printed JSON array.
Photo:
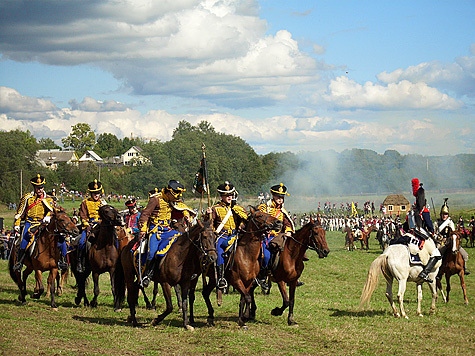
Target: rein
[{"x": 307, "y": 245}]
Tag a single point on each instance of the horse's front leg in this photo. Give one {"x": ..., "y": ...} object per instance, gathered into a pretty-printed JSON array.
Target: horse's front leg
[
  {"x": 462, "y": 284},
  {"x": 191, "y": 297},
  {"x": 447, "y": 281},
  {"x": 95, "y": 278},
  {"x": 285, "y": 299},
  {"x": 184, "y": 306},
  {"x": 419, "y": 299},
  {"x": 167, "y": 294},
  {"x": 433, "y": 289},
  {"x": 252, "y": 312},
  {"x": 22, "y": 284},
  {"x": 52, "y": 281},
  {"x": 244, "y": 304},
  {"x": 290, "y": 319},
  {"x": 39, "y": 288},
  {"x": 206, "y": 292}
]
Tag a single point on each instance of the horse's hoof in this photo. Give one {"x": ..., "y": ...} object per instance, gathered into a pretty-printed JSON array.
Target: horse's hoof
[
  {"x": 35, "y": 296},
  {"x": 93, "y": 304},
  {"x": 276, "y": 312},
  {"x": 210, "y": 322},
  {"x": 155, "y": 322},
  {"x": 189, "y": 328},
  {"x": 293, "y": 324},
  {"x": 54, "y": 308},
  {"x": 118, "y": 310},
  {"x": 244, "y": 327},
  {"x": 77, "y": 301}
]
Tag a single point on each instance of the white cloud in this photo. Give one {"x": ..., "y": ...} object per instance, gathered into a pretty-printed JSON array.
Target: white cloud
[
  {"x": 346, "y": 93},
  {"x": 12, "y": 101},
  {"x": 216, "y": 50},
  {"x": 458, "y": 77},
  {"x": 90, "y": 104}
]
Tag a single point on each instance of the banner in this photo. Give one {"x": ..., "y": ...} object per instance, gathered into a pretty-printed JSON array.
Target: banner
[{"x": 200, "y": 183}]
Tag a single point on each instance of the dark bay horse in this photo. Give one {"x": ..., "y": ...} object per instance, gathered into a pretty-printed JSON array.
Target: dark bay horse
[
  {"x": 182, "y": 261},
  {"x": 290, "y": 265},
  {"x": 452, "y": 263},
  {"x": 245, "y": 266},
  {"x": 44, "y": 257},
  {"x": 102, "y": 256},
  {"x": 365, "y": 235}
]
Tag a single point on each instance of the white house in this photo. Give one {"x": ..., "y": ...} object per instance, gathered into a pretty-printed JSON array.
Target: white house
[
  {"x": 91, "y": 156},
  {"x": 52, "y": 157},
  {"x": 134, "y": 156}
]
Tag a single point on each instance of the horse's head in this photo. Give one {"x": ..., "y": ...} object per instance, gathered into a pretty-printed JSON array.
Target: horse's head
[
  {"x": 64, "y": 225},
  {"x": 318, "y": 241},
  {"x": 261, "y": 221},
  {"x": 110, "y": 216},
  {"x": 207, "y": 241},
  {"x": 453, "y": 241}
]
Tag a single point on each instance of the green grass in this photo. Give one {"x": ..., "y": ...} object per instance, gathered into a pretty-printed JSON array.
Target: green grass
[{"x": 326, "y": 310}]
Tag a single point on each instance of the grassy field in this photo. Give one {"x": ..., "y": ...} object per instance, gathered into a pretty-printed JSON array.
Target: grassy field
[{"x": 330, "y": 322}]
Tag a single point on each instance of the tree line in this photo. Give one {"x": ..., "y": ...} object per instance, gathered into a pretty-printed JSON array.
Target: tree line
[{"x": 230, "y": 158}]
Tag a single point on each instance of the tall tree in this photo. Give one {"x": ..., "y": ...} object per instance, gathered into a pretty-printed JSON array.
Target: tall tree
[
  {"x": 108, "y": 145},
  {"x": 81, "y": 138},
  {"x": 46, "y": 144}
]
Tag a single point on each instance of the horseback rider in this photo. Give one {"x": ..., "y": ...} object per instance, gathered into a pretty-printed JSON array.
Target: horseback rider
[
  {"x": 275, "y": 241},
  {"x": 62, "y": 245},
  {"x": 89, "y": 213},
  {"x": 155, "y": 220},
  {"x": 132, "y": 217},
  {"x": 423, "y": 223},
  {"x": 446, "y": 227},
  {"x": 35, "y": 208},
  {"x": 227, "y": 218}
]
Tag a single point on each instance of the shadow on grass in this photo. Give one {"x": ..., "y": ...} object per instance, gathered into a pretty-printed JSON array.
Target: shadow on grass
[{"x": 361, "y": 313}]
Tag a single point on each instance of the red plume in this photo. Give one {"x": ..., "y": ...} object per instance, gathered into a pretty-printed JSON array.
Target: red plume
[{"x": 415, "y": 186}]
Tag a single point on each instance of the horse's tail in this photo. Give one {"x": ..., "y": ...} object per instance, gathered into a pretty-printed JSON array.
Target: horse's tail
[
  {"x": 378, "y": 265},
  {"x": 11, "y": 262},
  {"x": 119, "y": 282}
]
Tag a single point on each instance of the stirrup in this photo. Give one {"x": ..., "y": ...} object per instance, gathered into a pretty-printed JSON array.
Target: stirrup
[
  {"x": 18, "y": 266},
  {"x": 145, "y": 281},
  {"x": 425, "y": 276},
  {"x": 222, "y": 283},
  {"x": 262, "y": 283}
]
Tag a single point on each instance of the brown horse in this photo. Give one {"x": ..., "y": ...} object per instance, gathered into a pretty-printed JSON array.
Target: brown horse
[
  {"x": 349, "y": 238},
  {"x": 102, "y": 256},
  {"x": 182, "y": 261},
  {"x": 290, "y": 265},
  {"x": 245, "y": 266},
  {"x": 365, "y": 235},
  {"x": 452, "y": 263},
  {"x": 44, "y": 257}
]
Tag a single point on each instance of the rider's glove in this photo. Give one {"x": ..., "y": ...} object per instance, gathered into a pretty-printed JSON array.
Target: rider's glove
[
  {"x": 47, "y": 219},
  {"x": 17, "y": 228}
]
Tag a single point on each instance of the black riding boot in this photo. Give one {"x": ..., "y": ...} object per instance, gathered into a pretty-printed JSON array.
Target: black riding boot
[
  {"x": 62, "y": 262},
  {"x": 428, "y": 268},
  {"x": 19, "y": 260},
  {"x": 81, "y": 260},
  {"x": 148, "y": 274},
  {"x": 465, "y": 270},
  {"x": 262, "y": 279},
  {"x": 222, "y": 283}
]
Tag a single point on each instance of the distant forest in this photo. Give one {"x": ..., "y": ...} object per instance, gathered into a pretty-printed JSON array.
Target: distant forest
[{"x": 228, "y": 158}]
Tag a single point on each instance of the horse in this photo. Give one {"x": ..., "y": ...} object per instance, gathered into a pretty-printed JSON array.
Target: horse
[
  {"x": 452, "y": 263},
  {"x": 44, "y": 256},
  {"x": 290, "y": 265},
  {"x": 177, "y": 267},
  {"x": 245, "y": 265},
  {"x": 102, "y": 255},
  {"x": 365, "y": 235},
  {"x": 394, "y": 263},
  {"x": 383, "y": 237},
  {"x": 349, "y": 238}
]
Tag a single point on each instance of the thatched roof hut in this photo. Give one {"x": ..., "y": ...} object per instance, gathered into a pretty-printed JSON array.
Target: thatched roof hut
[{"x": 396, "y": 203}]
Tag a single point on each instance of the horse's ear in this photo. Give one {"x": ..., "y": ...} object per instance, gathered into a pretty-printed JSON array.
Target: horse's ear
[
  {"x": 200, "y": 223},
  {"x": 252, "y": 209}
]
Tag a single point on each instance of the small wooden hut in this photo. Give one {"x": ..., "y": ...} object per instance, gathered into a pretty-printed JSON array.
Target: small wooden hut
[{"x": 396, "y": 204}]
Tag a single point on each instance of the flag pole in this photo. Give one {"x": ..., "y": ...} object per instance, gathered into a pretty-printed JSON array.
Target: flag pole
[{"x": 205, "y": 174}]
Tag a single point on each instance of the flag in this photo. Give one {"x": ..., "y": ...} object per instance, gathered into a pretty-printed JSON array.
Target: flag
[
  {"x": 201, "y": 178},
  {"x": 354, "y": 212}
]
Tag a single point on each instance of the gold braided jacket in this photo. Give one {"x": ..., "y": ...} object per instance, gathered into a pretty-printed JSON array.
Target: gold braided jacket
[
  {"x": 279, "y": 213},
  {"x": 39, "y": 211},
  {"x": 219, "y": 211},
  {"x": 89, "y": 209},
  {"x": 159, "y": 208}
]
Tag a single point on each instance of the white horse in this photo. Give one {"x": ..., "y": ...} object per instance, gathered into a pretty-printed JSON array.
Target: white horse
[{"x": 394, "y": 263}]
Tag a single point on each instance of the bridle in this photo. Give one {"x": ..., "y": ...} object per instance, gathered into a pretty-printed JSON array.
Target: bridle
[
  {"x": 60, "y": 230},
  {"x": 312, "y": 245}
]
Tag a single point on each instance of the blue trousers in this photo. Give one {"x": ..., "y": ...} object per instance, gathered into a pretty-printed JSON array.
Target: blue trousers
[
  {"x": 28, "y": 236},
  {"x": 222, "y": 244},
  {"x": 159, "y": 242}
]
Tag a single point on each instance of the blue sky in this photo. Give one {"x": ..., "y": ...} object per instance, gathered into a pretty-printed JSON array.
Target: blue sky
[{"x": 298, "y": 76}]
